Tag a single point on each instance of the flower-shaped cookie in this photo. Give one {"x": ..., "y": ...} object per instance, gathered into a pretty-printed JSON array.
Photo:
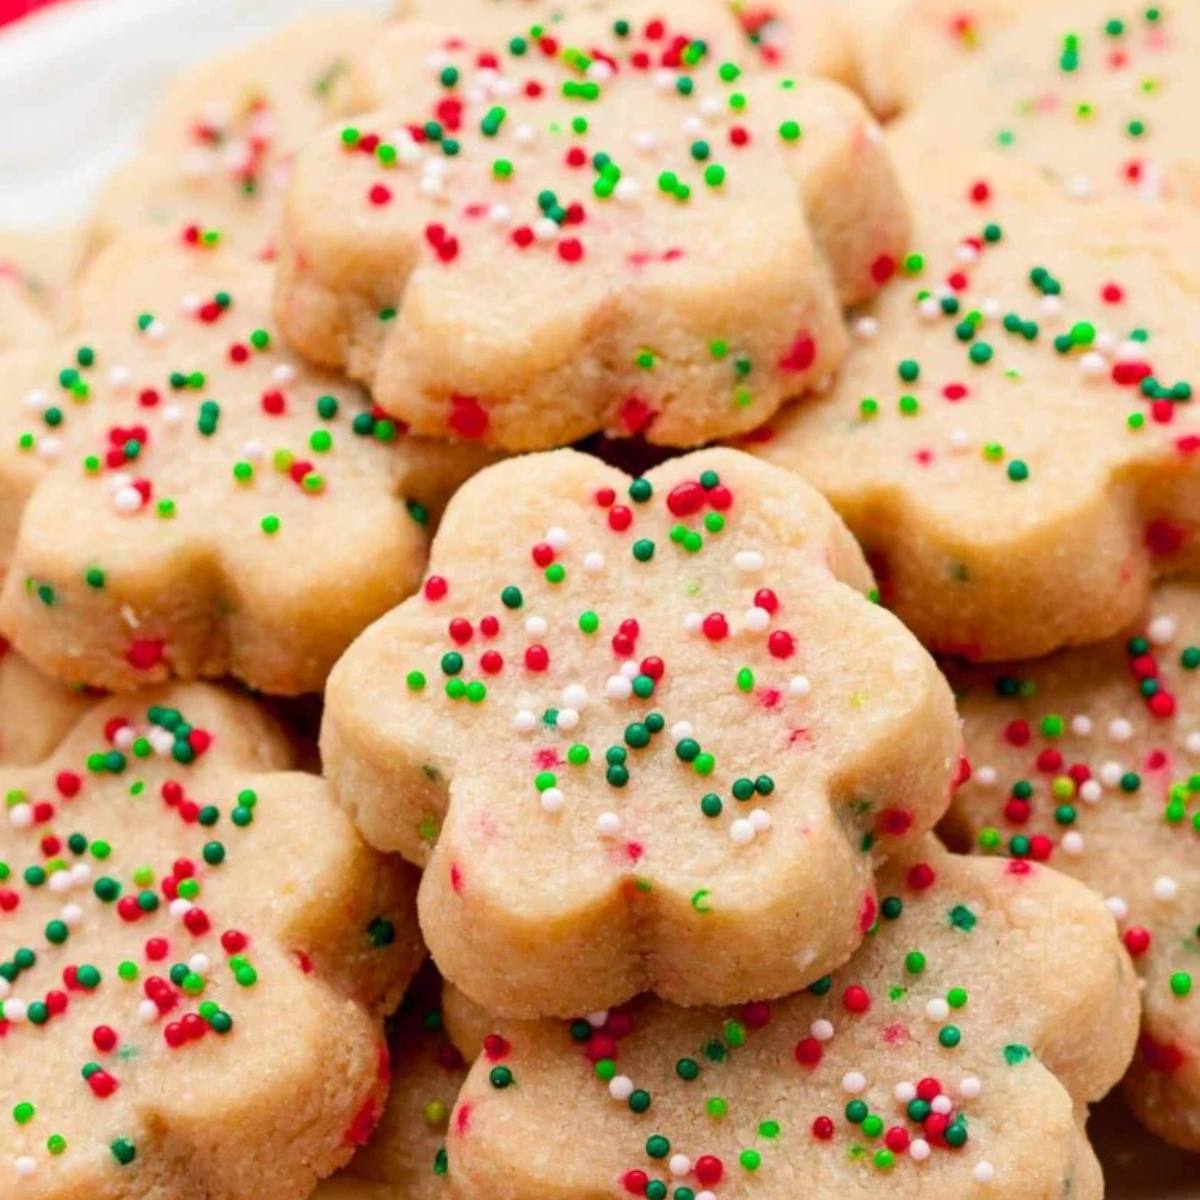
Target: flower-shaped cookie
[
  {"x": 35, "y": 711},
  {"x": 644, "y": 735},
  {"x": 180, "y": 497},
  {"x": 1101, "y": 98},
  {"x": 952, "y": 1058},
  {"x": 595, "y": 223},
  {"x": 197, "y": 950},
  {"x": 406, "y": 1157},
  {"x": 1014, "y": 443},
  {"x": 1089, "y": 759},
  {"x": 217, "y": 150}
]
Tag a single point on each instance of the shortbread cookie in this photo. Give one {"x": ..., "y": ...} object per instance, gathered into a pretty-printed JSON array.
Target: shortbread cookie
[
  {"x": 1013, "y": 442},
  {"x": 35, "y": 711},
  {"x": 198, "y": 950},
  {"x": 179, "y": 496},
  {"x": 36, "y": 270},
  {"x": 217, "y": 150},
  {"x": 952, "y": 1058},
  {"x": 540, "y": 236},
  {"x": 1089, "y": 760},
  {"x": 903, "y": 48},
  {"x": 644, "y": 735},
  {"x": 406, "y": 1157},
  {"x": 1100, "y": 97}
]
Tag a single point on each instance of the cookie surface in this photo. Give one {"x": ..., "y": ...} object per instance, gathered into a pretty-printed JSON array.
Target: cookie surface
[
  {"x": 643, "y": 735},
  {"x": 230, "y": 508},
  {"x": 35, "y": 273},
  {"x": 952, "y": 1057},
  {"x": 198, "y": 950},
  {"x": 1013, "y": 441},
  {"x": 529, "y": 242},
  {"x": 1087, "y": 760},
  {"x": 35, "y": 711},
  {"x": 406, "y": 1156},
  {"x": 1099, "y": 98},
  {"x": 217, "y": 151}
]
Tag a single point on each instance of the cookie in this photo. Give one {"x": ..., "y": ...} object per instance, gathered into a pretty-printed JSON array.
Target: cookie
[
  {"x": 1013, "y": 441},
  {"x": 181, "y": 496},
  {"x": 198, "y": 951},
  {"x": 953, "y": 1057},
  {"x": 530, "y": 242},
  {"x": 643, "y": 735},
  {"x": 218, "y": 148},
  {"x": 1088, "y": 760},
  {"x": 35, "y": 271},
  {"x": 807, "y": 38},
  {"x": 1098, "y": 97},
  {"x": 406, "y": 1157},
  {"x": 35, "y": 711}
]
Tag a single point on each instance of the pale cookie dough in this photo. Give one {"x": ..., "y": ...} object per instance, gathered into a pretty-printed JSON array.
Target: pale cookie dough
[
  {"x": 181, "y": 496},
  {"x": 406, "y": 1157},
  {"x": 35, "y": 271},
  {"x": 607, "y": 226},
  {"x": 218, "y": 148},
  {"x": 197, "y": 953},
  {"x": 1089, "y": 760},
  {"x": 953, "y": 1058},
  {"x": 35, "y": 711},
  {"x": 1100, "y": 97},
  {"x": 1013, "y": 441},
  {"x": 644, "y": 735}
]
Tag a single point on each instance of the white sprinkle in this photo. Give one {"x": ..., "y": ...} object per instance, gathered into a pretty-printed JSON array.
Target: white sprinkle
[
  {"x": 941, "y": 1104},
  {"x": 172, "y": 414},
  {"x": 545, "y": 230},
  {"x": 552, "y": 800},
  {"x": 567, "y": 719},
  {"x": 536, "y": 626},
  {"x": 180, "y": 907},
  {"x": 918, "y": 1150},
  {"x": 1092, "y": 365},
  {"x": 25, "y": 1166},
  {"x": 681, "y": 730},
  {"x": 1117, "y": 906},
  {"x": 124, "y": 738},
  {"x": 593, "y": 562},
  {"x": 679, "y": 1165},
  {"x": 960, "y": 439},
  {"x": 524, "y": 721},
  {"x": 821, "y": 1029},
  {"x": 799, "y": 686},
  {"x": 20, "y": 816},
  {"x": 969, "y": 1087},
  {"x": 905, "y": 1091},
  {"x": 757, "y": 619},
  {"x": 283, "y": 373},
  {"x": 1110, "y": 774},
  {"x": 865, "y": 327},
  {"x": 984, "y": 1172},
  {"x": 627, "y": 190},
  {"x": 985, "y": 776},
  {"x": 692, "y": 622},
  {"x": 81, "y": 874},
  {"x": 127, "y": 500},
  {"x": 119, "y": 377},
  {"x": 1165, "y": 888},
  {"x": 525, "y": 134},
  {"x": 597, "y": 1019},
  {"x": 854, "y": 1082},
  {"x": 1120, "y": 730},
  {"x": 575, "y": 695},
  {"x": 618, "y": 687},
  {"x": 198, "y": 964},
  {"x": 929, "y": 308},
  {"x": 49, "y": 447},
  {"x": 741, "y": 832},
  {"x": 760, "y": 819},
  {"x": 37, "y": 400},
  {"x": 1162, "y": 630},
  {"x": 1192, "y": 742},
  {"x": 748, "y": 560},
  {"x": 557, "y": 537},
  {"x": 1081, "y": 725},
  {"x": 60, "y": 882},
  {"x": 71, "y": 915},
  {"x": 1051, "y": 306},
  {"x": 706, "y": 1195},
  {"x": 620, "y": 1087},
  {"x": 500, "y": 214},
  {"x": 937, "y": 1009},
  {"x": 608, "y": 823},
  {"x": 1072, "y": 843},
  {"x": 14, "y": 1011},
  {"x": 147, "y": 1012}
]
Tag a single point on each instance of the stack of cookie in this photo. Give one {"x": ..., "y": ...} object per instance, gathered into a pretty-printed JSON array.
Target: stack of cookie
[{"x": 609, "y": 421}]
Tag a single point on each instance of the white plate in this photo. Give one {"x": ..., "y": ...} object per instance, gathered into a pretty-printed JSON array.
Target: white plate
[{"x": 77, "y": 81}]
